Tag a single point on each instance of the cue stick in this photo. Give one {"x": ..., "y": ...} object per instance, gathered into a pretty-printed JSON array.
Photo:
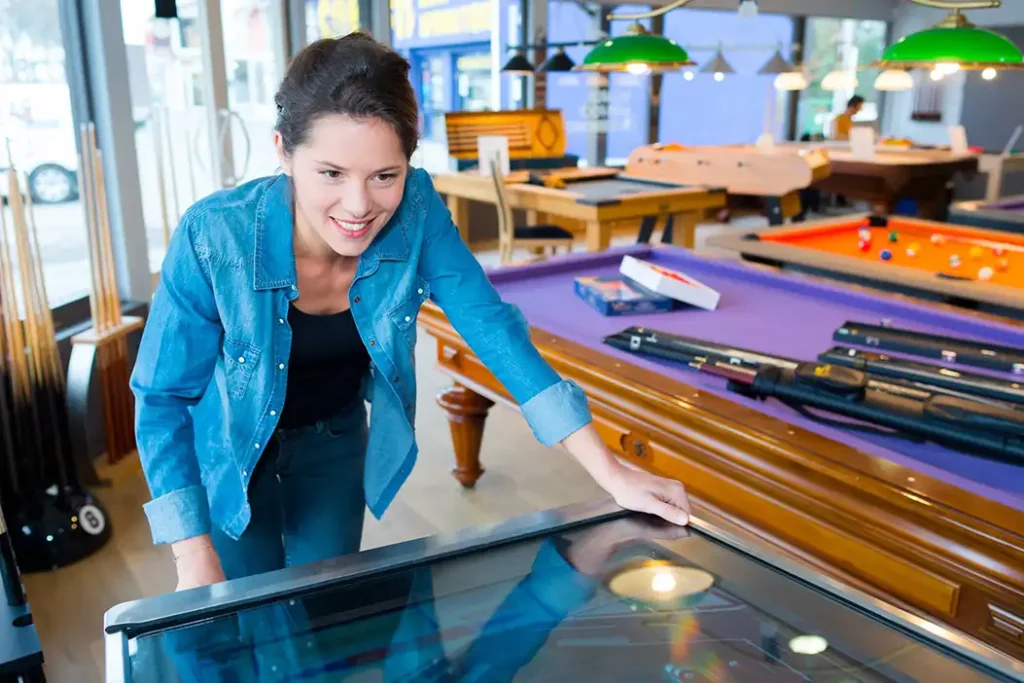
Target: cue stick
[
  {"x": 55, "y": 382},
  {"x": 170, "y": 168},
  {"x": 13, "y": 478},
  {"x": 45, "y": 403},
  {"x": 160, "y": 181},
  {"x": 23, "y": 403},
  {"x": 121, "y": 399},
  {"x": 98, "y": 296}
]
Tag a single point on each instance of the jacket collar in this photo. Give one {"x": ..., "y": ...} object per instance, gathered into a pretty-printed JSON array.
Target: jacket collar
[{"x": 274, "y": 251}]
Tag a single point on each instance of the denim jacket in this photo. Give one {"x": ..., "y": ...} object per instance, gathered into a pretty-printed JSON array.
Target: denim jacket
[{"x": 209, "y": 379}]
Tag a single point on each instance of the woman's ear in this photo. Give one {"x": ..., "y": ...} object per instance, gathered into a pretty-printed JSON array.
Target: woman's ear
[{"x": 282, "y": 154}]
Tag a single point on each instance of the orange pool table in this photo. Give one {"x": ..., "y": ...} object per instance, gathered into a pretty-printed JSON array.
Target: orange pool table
[{"x": 967, "y": 266}]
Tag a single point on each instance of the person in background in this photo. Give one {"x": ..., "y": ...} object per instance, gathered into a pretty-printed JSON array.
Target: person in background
[{"x": 844, "y": 122}]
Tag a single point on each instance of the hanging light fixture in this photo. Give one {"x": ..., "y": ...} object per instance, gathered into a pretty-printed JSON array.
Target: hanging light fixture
[
  {"x": 559, "y": 61},
  {"x": 894, "y": 80},
  {"x": 840, "y": 80},
  {"x": 638, "y": 51},
  {"x": 718, "y": 66},
  {"x": 788, "y": 76},
  {"x": 519, "y": 64},
  {"x": 953, "y": 44}
]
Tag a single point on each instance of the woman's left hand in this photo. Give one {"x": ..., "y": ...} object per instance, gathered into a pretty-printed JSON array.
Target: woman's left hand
[
  {"x": 641, "y": 491},
  {"x": 631, "y": 487}
]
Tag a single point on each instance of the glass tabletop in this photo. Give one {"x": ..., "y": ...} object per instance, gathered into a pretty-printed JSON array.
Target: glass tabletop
[{"x": 620, "y": 598}]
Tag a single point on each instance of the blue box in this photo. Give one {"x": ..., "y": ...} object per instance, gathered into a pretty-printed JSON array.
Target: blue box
[{"x": 619, "y": 296}]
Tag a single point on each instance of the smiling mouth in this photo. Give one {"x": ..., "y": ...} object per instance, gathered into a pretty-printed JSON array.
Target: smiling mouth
[{"x": 352, "y": 230}]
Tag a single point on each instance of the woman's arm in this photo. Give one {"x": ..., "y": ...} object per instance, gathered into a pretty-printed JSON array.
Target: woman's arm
[
  {"x": 175, "y": 362},
  {"x": 556, "y": 409}
]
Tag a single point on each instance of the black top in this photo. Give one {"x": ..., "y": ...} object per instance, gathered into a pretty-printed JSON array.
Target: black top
[{"x": 325, "y": 369}]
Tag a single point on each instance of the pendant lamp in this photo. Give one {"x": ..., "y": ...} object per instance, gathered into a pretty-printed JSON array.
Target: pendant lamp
[{"x": 638, "y": 51}]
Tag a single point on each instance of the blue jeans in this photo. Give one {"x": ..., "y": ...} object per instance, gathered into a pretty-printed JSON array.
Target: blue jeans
[
  {"x": 307, "y": 505},
  {"x": 307, "y": 498}
]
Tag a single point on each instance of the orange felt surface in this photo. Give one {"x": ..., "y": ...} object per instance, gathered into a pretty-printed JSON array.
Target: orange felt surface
[{"x": 975, "y": 247}]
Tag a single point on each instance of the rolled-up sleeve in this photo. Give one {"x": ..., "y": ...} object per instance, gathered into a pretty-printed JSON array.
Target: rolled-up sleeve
[
  {"x": 496, "y": 331},
  {"x": 174, "y": 366}
]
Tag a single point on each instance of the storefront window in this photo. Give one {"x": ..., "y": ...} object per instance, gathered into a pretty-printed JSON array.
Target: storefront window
[
  {"x": 473, "y": 82},
  {"x": 36, "y": 119},
  {"x": 331, "y": 18},
  {"x": 433, "y": 74},
  {"x": 833, "y": 44}
]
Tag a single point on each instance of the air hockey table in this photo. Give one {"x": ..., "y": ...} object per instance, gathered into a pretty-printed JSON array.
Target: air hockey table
[{"x": 582, "y": 593}]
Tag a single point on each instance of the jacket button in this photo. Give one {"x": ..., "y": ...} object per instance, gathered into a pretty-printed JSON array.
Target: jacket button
[
  {"x": 407, "y": 318},
  {"x": 280, "y": 366},
  {"x": 419, "y": 291},
  {"x": 281, "y": 320},
  {"x": 397, "y": 379},
  {"x": 273, "y": 413},
  {"x": 245, "y": 473},
  {"x": 356, "y": 300},
  {"x": 256, "y": 445},
  {"x": 373, "y": 342}
]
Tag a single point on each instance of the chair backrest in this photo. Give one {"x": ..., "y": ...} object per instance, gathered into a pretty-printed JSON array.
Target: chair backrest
[{"x": 506, "y": 226}]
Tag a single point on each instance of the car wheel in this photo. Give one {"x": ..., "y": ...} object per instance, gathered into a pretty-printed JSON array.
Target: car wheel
[{"x": 52, "y": 184}]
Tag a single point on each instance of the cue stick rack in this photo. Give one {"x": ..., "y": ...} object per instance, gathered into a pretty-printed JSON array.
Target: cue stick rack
[
  {"x": 54, "y": 521},
  {"x": 107, "y": 336}
]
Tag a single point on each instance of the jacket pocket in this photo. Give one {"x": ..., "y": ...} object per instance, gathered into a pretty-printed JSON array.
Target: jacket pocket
[
  {"x": 240, "y": 360},
  {"x": 404, "y": 314}
]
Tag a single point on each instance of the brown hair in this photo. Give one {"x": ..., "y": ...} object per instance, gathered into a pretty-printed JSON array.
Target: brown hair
[{"x": 353, "y": 75}]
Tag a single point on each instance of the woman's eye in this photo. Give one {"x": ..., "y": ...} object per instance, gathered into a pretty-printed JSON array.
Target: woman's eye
[
  {"x": 330, "y": 174},
  {"x": 385, "y": 177}
]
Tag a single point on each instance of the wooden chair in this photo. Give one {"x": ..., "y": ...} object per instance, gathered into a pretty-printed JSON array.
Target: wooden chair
[{"x": 511, "y": 236}]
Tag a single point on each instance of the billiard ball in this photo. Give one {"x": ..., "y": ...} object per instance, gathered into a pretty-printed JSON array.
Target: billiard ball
[
  {"x": 985, "y": 273},
  {"x": 938, "y": 239},
  {"x": 1002, "y": 265},
  {"x": 864, "y": 234},
  {"x": 864, "y": 245},
  {"x": 911, "y": 252},
  {"x": 954, "y": 261},
  {"x": 886, "y": 254},
  {"x": 893, "y": 236},
  {"x": 998, "y": 251},
  {"x": 976, "y": 253}
]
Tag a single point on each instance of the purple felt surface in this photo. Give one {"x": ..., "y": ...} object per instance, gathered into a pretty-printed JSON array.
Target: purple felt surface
[{"x": 772, "y": 313}]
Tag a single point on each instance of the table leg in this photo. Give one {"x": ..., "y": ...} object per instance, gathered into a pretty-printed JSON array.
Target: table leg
[
  {"x": 467, "y": 413},
  {"x": 684, "y": 228},
  {"x": 599, "y": 235},
  {"x": 459, "y": 208}
]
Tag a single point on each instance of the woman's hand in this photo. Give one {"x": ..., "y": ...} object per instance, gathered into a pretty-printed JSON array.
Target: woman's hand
[
  {"x": 631, "y": 487},
  {"x": 197, "y": 563}
]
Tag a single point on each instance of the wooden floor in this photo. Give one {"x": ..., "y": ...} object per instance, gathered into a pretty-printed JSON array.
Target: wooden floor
[{"x": 522, "y": 476}]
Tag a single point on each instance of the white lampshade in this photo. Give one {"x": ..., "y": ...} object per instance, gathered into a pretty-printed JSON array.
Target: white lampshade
[
  {"x": 791, "y": 80},
  {"x": 894, "y": 80},
  {"x": 840, "y": 80}
]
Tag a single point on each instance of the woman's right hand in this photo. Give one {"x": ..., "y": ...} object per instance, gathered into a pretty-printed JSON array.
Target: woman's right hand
[{"x": 197, "y": 563}]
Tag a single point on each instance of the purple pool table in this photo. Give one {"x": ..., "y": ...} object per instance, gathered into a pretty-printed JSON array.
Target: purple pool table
[
  {"x": 1006, "y": 213},
  {"x": 938, "y": 529}
]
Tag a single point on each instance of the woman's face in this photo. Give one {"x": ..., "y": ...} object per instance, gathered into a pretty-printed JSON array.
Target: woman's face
[{"x": 348, "y": 175}]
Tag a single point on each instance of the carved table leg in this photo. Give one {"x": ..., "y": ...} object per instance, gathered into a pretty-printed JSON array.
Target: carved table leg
[{"x": 467, "y": 412}]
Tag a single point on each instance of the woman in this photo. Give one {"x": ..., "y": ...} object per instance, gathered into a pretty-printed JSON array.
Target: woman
[{"x": 287, "y": 303}]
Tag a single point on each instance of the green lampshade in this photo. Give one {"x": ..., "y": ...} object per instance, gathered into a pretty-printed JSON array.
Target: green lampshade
[
  {"x": 637, "y": 51},
  {"x": 954, "y": 41}
]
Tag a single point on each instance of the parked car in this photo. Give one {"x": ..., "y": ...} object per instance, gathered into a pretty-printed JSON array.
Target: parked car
[{"x": 46, "y": 151}]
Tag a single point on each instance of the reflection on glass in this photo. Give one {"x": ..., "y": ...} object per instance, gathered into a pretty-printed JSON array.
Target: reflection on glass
[
  {"x": 35, "y": 117},
  {"x": 588, "y": 605}
]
